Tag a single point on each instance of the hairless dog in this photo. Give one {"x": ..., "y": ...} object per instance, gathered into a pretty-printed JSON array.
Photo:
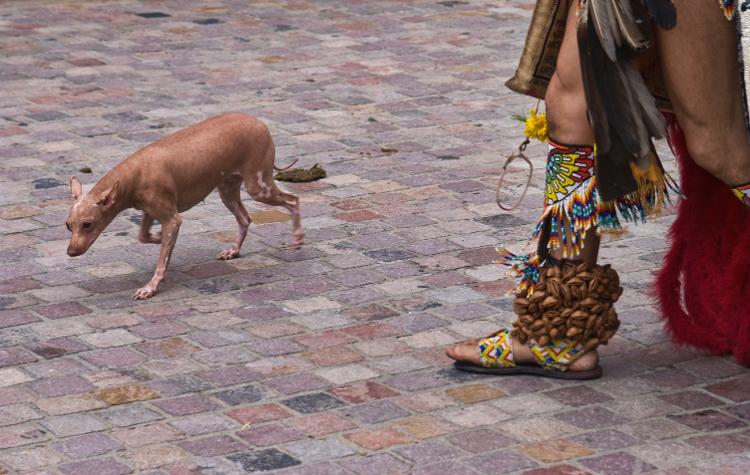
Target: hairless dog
[{"x": 174, "y": 174}]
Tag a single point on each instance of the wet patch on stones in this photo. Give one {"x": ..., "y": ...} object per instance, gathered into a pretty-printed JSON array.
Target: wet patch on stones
[
  {"x": 208, "y": 21},
  {"x": 49, "y": 352},
  {"x": 283, "y": 27},
  {"x": 6, "y": 302},
  {"x": 153, "y": 15},
  {"x": 264, "y": 460},
  {"x": 241, "y": 395},
  {"x": 390, "y": 255},
  {"x": 44, "y": 183}
]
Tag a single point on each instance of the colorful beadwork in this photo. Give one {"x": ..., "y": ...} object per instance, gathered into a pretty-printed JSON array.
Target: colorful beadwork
[
  {"x": 742, "y": 192},
  {"x": 572, "y": 202},
  {"x": 728, "y": 7},
  {"x": 525, "y": 266},
  {"x": 570, "y": 196},
  {"x": 568, "y": 168},
  {"x": 496, "y": 351},
  {"x": 556, "y": 355},
  {"x": 573, "y": 207}
]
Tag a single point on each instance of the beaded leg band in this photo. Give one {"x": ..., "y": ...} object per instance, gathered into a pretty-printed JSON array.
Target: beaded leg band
[
  {"x": 572, "y": 204},
  {"x": 573, "y": 207},
  {"x": 569, "y": 196}
]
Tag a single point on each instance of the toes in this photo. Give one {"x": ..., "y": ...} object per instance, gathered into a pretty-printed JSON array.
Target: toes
[
  {"x": 463, "y": 352},
  {"x": 228, "y": 254},
  {"x": 142, "y": 294},
  {"x": 297, "y": 240}
]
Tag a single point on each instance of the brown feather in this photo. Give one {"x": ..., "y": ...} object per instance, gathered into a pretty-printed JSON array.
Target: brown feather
[
  {"x": 637, "y": 35},
  {"x": 600, "y": 14}
]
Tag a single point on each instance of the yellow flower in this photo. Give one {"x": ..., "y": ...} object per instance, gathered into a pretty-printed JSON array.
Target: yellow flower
[{"x": 535, "y": 126}]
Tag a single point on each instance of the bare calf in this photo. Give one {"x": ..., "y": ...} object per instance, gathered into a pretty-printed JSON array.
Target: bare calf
[{"x": 174, "y": 174}]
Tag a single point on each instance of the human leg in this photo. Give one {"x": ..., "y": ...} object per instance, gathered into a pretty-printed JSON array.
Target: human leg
[
  {"x": 700, "y": 68},
  {"x": 567, "y": 123}
]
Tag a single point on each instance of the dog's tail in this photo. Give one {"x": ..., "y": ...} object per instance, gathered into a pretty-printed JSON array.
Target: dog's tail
[{"x": 286, "y": 167}]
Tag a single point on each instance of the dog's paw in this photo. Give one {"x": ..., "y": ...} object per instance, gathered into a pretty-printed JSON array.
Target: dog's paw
[
  {"x": 227, "y": 254},
  {"x": 144, "y": 293},
  {"x": 298, "y": 241}
]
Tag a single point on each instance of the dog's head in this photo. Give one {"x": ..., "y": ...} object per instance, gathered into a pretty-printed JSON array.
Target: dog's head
[{"x": 89, "y": 215}]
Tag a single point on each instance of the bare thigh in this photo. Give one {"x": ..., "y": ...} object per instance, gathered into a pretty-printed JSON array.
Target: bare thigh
[
  {"x": 565, "y": 99},
  {"x": 700, "y": 68}
]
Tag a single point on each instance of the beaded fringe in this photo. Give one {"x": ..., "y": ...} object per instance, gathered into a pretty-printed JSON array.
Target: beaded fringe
[{"x": 572, "y": 217}]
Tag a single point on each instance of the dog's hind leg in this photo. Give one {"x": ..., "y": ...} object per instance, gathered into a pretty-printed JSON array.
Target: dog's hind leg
[
  {"x": 144, "y": 235},
  {"x": 229, "y": 190},
  {"x": 262, "y": 188}
]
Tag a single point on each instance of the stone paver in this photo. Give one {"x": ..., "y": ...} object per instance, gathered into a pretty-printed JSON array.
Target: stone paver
[{"x": 326, "y": 360}]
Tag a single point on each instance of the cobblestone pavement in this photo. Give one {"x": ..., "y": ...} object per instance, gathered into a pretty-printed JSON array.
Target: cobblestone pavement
[{"x": 328, "y": 360}]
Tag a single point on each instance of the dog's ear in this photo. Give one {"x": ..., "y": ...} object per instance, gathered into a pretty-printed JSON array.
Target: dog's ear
[
  {"x": 108, "y": 197},
  {"x": 75, "y": 188}
]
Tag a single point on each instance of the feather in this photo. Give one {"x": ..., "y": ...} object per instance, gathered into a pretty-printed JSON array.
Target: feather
[
  {"x": 614, "y": 177},
  {"x": 597, "y": 117},
  {"x": 651, "y": 115},
  {"x": 621, "y": 110},
  {"x": 637, "y": 34},
  {"x": 663, "y": 13},
  {"x": 616, "y": 110},
  {"x": 600, "y": 14}
]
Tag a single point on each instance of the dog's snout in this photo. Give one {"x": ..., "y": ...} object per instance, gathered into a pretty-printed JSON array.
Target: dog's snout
[{"x": 72, "y": 252}]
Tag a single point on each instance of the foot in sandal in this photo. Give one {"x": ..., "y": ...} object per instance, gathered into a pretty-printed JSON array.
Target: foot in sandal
[{"x": 503, "y": 354}]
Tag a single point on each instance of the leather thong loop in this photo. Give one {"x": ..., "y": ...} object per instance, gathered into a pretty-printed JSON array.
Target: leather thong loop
[{"x": 519, "y": 153}]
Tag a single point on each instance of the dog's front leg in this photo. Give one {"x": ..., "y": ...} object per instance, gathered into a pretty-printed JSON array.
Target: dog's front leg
[{"x": 169, "y": 229}]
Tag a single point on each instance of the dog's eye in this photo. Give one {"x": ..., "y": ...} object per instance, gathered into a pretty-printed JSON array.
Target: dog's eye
[
  {"x": 86, "y": 225},
  {"x": 67, "y": 225}
]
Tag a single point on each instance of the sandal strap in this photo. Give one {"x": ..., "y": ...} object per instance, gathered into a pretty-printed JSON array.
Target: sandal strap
[
  {"x": 496, "y": 351},
  {"x": 557, "y": 354}
]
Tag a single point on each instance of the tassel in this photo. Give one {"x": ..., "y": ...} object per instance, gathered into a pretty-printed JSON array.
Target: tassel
[
  {"x": 729, "y": 7},
  {"x": 573, "y": 206},
  {"x": 570, "y": 219},
  {"x": 526, "y": 266}
]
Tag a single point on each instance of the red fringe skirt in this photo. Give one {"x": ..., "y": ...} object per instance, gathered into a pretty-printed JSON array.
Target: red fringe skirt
[{"x": 703, "y": 288}]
